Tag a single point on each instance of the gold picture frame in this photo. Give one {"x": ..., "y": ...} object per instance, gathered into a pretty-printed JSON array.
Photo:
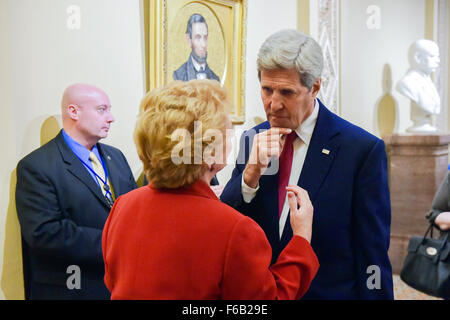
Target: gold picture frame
[{"x": 168, "y": 47}]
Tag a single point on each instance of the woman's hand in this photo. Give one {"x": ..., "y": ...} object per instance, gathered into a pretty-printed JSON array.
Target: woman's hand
[
  {"x": 443, "y": 221},
  {"x": 301, "y": 218}
]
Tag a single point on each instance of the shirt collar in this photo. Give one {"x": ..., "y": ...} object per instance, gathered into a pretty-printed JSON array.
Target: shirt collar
[
  {"x": 80, "y": 151},
  {"x": 306, "y": 129},
  {"x": 197, "y": 65}
]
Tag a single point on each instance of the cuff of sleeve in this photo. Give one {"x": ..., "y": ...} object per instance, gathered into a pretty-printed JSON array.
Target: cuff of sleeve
[
  {"x": 248, "y": 193},
  {"x": 307, "y": 251},
  {"x": 432, "y": 215}
]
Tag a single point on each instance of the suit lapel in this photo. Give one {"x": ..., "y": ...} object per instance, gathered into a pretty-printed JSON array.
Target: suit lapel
[
  {"x": 111, "y": 167},
  {"x": 269, "y": 183},
  {"x": 210, "y": 74},
  {"x": 322, "y": 150},
  {"x": 76, "y": 168},
  {"x": 190, "y": 70}
]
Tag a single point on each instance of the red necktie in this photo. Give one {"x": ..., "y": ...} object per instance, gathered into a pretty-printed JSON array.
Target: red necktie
[{"x": 284, "y": 169}]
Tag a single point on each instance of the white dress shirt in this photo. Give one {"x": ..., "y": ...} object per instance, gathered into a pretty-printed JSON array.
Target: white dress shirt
[
  {"x": 198, "y": 67},
  {"x": 304, "y": 132}
]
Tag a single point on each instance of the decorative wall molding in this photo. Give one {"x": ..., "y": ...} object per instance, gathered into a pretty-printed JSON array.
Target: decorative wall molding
[
  {"x": 328, "y": 38},
  {"x": 441, "y": 75}
]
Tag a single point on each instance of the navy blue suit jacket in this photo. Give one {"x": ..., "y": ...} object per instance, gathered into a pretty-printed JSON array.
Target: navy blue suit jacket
[
  {"x": 62, "y": 212},
  {"x": 187, "y": 72},
  {"x": 349, "y": 191}
]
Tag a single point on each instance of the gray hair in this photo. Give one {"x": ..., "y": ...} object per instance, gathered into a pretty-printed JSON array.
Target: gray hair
[{"x": 291, "y": 49}]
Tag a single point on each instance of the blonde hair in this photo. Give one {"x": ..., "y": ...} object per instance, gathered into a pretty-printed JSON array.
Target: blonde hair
[{"x": 178, "y": 106}]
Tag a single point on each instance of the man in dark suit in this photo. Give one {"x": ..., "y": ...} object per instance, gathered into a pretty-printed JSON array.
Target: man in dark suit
[
  {"x": 341, "y": 166},
  {"x": 65, "y": 190},
  {"x": 197, "y": 37}
]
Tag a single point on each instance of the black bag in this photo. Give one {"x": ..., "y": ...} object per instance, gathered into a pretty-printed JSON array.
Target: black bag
[{"x": 427, "y": 266}]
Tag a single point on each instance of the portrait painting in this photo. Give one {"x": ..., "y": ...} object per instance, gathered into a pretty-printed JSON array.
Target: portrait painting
[
  {"x": 199, "y": 40},
  {"x": 197, "y": 65}
]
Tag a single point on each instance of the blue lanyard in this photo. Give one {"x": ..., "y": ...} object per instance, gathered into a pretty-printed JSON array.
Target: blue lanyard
[{"x": 108, "y": 195}]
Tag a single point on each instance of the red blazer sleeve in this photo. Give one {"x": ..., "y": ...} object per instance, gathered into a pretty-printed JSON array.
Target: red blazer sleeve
[{"x": 246, "y": 271}]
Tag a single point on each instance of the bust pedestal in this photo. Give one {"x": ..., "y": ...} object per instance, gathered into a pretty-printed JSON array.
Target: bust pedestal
[{"x": 417, "y": 165}]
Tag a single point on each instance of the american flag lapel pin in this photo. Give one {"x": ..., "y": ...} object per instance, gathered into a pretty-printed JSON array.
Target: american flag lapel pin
[{"x": 326, "y": 151}]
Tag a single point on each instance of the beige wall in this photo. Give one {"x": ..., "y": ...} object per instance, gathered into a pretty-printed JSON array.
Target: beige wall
[
  {"x": 364, "y": 53},
  {"x": 40, "y": 56}
]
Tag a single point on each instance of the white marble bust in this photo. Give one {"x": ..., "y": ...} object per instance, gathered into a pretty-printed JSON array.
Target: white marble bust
[{"x": 418, "y": 86}]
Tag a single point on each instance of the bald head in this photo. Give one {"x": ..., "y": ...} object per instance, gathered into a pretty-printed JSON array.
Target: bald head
[
  {"x": 80, "y": 93},
  {"x": 424, "y": 55},
  {"x": 86, "y": 113}
]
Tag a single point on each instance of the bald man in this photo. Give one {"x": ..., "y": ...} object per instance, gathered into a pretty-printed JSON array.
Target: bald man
[{"x": 63, "y": 197}]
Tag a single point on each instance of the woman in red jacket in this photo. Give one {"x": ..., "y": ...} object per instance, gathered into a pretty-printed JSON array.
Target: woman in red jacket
[{"x": 174, "y": 239}]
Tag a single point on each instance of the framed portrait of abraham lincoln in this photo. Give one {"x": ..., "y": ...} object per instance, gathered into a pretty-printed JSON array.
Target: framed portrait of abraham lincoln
[{"x": 202, "y": 39}]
